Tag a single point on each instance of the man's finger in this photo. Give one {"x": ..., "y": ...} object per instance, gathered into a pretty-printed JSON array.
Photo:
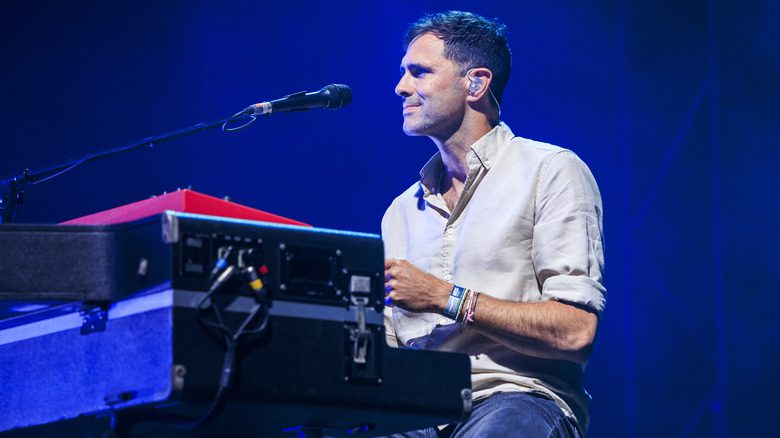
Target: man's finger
[{"x": 392, "y": 272}]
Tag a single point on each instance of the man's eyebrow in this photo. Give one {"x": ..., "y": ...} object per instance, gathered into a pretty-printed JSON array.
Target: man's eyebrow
[{"x": 414, "y": 66}]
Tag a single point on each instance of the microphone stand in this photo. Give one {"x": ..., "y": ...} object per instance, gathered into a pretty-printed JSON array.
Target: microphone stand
[{"x": 12, "y": 189}]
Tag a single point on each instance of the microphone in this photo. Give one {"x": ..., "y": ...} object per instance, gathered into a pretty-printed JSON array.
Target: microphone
[{"x": 332, "y": 96}]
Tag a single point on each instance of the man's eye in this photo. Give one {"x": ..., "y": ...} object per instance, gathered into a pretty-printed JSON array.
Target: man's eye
[{"x": 415, "y": 72}]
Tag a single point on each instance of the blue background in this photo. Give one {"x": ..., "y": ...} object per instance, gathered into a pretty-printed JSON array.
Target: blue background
[{"x": 672, "y": 103}]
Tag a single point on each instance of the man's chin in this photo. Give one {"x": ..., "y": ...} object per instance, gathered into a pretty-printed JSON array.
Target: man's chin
[{"x": 413, "y": 131}]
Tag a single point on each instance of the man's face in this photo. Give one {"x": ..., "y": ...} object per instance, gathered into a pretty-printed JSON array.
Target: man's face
[{"x": 432, "y": 89}]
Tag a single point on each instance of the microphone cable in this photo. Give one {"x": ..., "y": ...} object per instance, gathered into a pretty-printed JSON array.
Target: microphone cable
[{"x": 237, "y": 116}]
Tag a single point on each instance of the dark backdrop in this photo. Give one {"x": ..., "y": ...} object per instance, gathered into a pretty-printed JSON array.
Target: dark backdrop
[{"x": 673, "y": 103}]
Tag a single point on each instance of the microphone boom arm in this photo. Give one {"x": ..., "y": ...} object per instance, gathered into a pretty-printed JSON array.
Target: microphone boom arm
[{"x": 12, "y": 188}]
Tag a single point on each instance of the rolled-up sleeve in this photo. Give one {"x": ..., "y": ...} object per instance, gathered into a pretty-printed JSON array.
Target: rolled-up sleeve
[{"x": 568, "y": 251}]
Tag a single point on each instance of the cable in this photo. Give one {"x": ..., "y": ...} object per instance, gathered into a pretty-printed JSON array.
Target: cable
[
  {"x": 215, "y": 285},
  {"x": 237, "y": 116},
  {"x": 256, "y": 283},
  {"x": 232, "y": 342},
  {"x": 67, "y": 169},
  {"x": 232, "y": 339},
  {"x": 221, "y": 274},
  {"x": 225, "y": 381}
]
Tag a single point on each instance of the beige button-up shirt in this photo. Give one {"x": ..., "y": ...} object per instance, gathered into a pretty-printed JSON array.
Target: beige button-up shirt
[{"x": 527, "y": 228}]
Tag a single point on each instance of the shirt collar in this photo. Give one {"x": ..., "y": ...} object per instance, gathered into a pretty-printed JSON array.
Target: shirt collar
[{"x": 483, "y": 153}]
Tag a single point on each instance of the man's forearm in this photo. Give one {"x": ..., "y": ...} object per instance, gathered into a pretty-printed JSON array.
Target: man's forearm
[{"x": 545, "y": 329}]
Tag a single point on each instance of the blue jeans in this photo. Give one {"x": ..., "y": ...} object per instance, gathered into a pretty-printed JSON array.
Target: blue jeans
[{"x": 507, "y": 414}]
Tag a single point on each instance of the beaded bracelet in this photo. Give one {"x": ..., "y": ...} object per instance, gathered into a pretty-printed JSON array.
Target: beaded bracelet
[
  {"x": 469, "y": 309},
  {"x": 464, "y": 306},
  {"x": 472, "y": 307}
]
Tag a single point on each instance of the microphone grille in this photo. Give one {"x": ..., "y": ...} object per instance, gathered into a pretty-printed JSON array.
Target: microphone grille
[{"x": 339, "y": 95}]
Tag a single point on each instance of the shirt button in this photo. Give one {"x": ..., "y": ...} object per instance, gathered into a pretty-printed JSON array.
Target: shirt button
[{"x": 448, "y": 277}]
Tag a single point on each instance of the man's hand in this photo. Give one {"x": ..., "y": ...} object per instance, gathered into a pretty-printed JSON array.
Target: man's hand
[{"x": 409, "y": 288}]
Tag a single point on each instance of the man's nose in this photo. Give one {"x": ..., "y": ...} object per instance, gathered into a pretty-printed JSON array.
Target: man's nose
[{"x": 402, "y": 88}]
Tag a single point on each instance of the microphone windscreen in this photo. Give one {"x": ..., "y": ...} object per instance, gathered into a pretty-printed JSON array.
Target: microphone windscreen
[{"x": 339, "y": 95}]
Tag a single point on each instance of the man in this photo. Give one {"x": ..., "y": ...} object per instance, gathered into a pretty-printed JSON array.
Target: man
[{"x": 497, "y": 251}]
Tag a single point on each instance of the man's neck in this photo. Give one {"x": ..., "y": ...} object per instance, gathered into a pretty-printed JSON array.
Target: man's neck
[{"x": 454, "y": 150}]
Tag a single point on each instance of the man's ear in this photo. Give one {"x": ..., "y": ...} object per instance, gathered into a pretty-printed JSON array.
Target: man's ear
[{"x": 479, "y": 81}]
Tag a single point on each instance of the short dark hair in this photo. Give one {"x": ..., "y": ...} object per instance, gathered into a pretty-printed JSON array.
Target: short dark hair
[{"x": 470, "y": 41}]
